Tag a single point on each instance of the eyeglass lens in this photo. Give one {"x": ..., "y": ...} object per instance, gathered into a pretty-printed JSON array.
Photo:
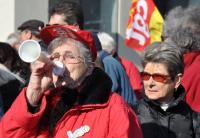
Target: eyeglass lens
[
  {"x": 68, "y": 57},
  {"x": 156, "y": 77}
]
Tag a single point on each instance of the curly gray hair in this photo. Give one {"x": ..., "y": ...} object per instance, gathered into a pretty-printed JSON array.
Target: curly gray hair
[{"x": 182, "y": 27}]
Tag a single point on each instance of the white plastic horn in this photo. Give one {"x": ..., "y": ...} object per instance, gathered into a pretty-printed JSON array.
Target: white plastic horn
[{"x": 30, "y": 51}]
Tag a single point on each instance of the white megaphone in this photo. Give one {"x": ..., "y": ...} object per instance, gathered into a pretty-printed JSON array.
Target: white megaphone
[{"x": 30, "y": 51}]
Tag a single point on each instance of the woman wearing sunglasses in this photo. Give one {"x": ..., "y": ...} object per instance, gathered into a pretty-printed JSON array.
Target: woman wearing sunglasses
[{"x": 163, "y": 113}]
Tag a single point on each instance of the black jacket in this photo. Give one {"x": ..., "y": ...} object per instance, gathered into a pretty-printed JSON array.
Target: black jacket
[
  {"x": 178, "y": 121},
  {"x": 10, "y": 86}
]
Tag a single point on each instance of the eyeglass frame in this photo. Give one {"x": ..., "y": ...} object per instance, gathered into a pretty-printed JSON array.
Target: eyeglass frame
[
  {"x": 69, "y": 55},
  {"x": 164, "y": 78}
]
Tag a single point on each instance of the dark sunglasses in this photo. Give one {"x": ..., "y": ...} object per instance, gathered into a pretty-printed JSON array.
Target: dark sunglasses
[{"x": 156, "y": 77}]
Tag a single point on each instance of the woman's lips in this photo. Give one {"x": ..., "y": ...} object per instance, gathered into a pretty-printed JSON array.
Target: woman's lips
[{"x": 152, "y": 91}]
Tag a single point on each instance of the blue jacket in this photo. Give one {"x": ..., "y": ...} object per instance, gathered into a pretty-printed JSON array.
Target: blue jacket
[{"x": 119, "y": 78}]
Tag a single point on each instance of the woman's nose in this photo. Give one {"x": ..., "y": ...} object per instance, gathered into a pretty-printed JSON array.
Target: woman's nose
[
  {"x": 151, "y": 81},
  {"x": 61, "y": 58}
]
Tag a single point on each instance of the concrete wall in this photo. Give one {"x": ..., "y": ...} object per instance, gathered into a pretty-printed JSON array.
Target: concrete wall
[
  {"x": 30, "y": 9},
  {"x": 15, "y": 12},
  {"x": 7, "y": 18}
]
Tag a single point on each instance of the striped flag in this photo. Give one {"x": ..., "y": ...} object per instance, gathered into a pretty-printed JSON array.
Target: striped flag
[{"x": 145, "y": 25}]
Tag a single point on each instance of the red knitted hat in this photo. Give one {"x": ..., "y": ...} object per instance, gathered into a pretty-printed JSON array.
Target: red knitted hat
[{"x": 51, "y": 32}]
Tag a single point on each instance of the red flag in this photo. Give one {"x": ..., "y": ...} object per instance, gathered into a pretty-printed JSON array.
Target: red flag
[{"x": 145, "y": 25}]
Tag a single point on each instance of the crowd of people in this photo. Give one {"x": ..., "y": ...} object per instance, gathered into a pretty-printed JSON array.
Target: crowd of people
[{"x": 100, "y": 94}]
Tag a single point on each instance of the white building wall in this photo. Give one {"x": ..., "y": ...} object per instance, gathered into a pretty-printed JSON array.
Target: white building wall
[
  {"x": 15, "y": 12},
  {"x": 6, "y": 18},
  {"x": 30, "y": 9}
]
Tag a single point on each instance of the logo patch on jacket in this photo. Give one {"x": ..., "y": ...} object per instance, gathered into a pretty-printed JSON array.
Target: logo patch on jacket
[{"x": 78, "y": 132}]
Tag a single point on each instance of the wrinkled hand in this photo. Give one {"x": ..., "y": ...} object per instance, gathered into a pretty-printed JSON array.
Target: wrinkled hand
[{"x": 41, "y": 78}]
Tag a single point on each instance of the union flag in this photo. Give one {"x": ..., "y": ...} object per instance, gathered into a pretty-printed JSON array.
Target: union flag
[{"x": 145, "y": 25}]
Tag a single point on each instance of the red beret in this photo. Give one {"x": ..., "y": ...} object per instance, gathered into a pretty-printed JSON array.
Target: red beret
[{"x": 51, "y": 32}]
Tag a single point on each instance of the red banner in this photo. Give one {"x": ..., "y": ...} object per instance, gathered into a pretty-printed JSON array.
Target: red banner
[{"x": 144, "y": 25}]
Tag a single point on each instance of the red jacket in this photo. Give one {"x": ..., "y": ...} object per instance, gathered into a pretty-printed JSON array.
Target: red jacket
[
  {"x": 134, "y": 76},
  {"x": 110, "y": 119},
  {"x": 191, "y": 79}
]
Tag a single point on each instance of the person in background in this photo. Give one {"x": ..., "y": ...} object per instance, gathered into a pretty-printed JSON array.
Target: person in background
[
  {"x": 81, "y": 103},
  {"x": 120, "y": 80},
  {"x": 163, "y": 112},
  {"x": 98, "y": 61},
  {"x": 109, "y": 45},
  {"x": 11, "y": 81},
  {"x": 14, "y": 40},
  {"x": 182, "y": 28},
  {"x": 70, "y": 13},
  {"x": 30, "y": 30},
  {"x": 67, "y": 13}
]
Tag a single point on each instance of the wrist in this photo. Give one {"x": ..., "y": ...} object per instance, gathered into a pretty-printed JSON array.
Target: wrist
[{"x": 33, "y": 95}]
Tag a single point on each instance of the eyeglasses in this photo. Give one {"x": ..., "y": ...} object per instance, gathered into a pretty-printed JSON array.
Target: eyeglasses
[
  {"x": 156, "y": 77},
  {"x": 68, "y": 58}
]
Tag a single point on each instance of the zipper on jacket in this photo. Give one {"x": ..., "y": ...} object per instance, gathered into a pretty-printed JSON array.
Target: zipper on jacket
[{"x": 168, "y": 127}]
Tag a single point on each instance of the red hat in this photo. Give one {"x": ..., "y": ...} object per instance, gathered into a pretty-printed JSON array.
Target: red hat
[{"x": 51, "y": 32}]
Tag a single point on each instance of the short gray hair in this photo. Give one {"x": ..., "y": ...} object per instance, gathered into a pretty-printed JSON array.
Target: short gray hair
[
  {"x": 13, "y": 39},
  {"x": 164, "y": 53},
  {"x": 107, "y": 42},
  {"x": 182, "y": 27},
  {"x": 84, "y": 51}
]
